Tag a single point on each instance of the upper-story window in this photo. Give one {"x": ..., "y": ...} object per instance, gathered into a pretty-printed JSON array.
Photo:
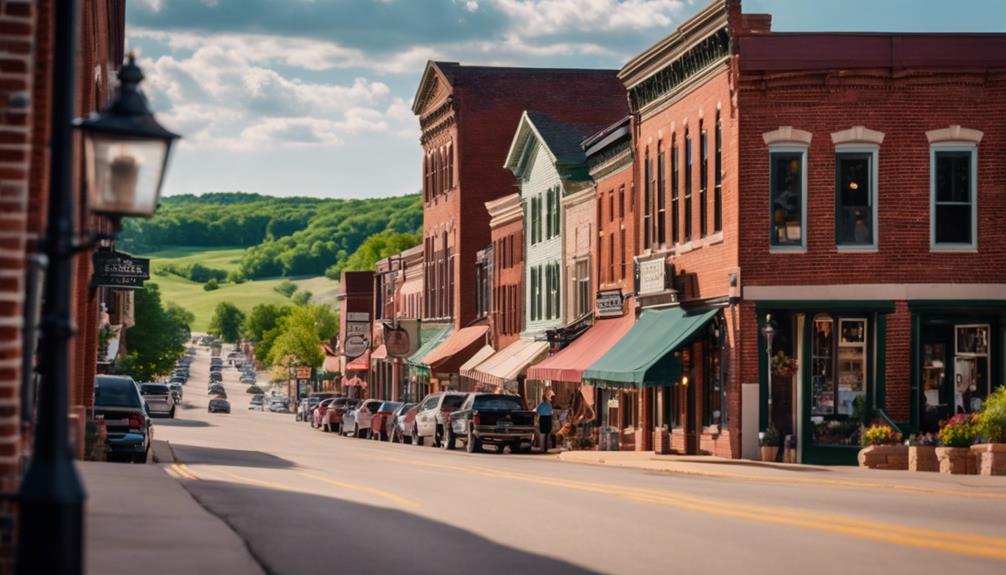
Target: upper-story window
[
  {"x": 954, "y": 196},
  {"x": 675, "y": 200},
  {"x": 718, "y": 178},
  {"x": 688, "y": 186},
  {"x": 703, "y": 180},
  {"x": 856, "y": 198},
  {"x": 583, "y": 292},
  {"x": 647, "y": 204},
  {"x": 554, "y": 213},
  {"x": 621, "y": 201},
  {"x": 611, "y": 205},
  {"x": 661, "y": 199},
  {"x": 788, "y": 197}
]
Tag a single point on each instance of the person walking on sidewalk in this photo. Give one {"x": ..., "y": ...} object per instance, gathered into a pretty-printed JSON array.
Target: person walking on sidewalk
[{"x": 544, "y": 411}]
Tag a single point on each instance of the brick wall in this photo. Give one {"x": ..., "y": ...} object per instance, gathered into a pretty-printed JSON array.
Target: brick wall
[
  {"x": 613, "y": 226},
  {"x": 508, "y": 284}
]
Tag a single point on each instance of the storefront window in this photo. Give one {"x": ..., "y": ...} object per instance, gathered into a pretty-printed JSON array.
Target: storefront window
[
  {"x": 971, "y": 367},
  {"x": 712, "y": 392},
  {"x": 851, "y": 364},
  {"x": 838, "y": 378},
  {"x": 822, "y": 374}
]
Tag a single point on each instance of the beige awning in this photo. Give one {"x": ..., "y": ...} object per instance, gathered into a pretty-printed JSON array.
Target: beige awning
[
  {"x": 468, "y": 369},
  {"x": 510, "y": 362}
]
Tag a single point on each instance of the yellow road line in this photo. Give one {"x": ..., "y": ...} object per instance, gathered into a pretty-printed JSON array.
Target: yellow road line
[
  {"x": 932, "y": 539},
  {"x": 365, "y": 489},
  {"x": 181, "y": 471}
]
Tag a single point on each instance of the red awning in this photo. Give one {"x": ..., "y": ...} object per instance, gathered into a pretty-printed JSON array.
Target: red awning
[
  {"x": 380, "y": 353},
  {"x": 361, "y": 363},
  {"x": 568, "y": 364},
  {"x": 459, "y": 347}
]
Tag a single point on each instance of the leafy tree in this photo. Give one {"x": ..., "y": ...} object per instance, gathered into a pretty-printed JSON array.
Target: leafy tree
[
  {"x": 301, "y": 335},
  {"x": 157, "y": 339},
  {"x": 375, "y": 248},
  {"x": 262, "y": 318},
  {"x": 301, "y": 298},
  {"x": 286, "y": 287},
  {"x": 211, "y": 285},
  {"x": 227, "y": 321}
]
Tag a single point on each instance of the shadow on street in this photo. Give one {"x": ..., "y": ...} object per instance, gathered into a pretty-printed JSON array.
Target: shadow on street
[
  {"x": 194, "y": 455},
  {"x": 291, "y": 532}
]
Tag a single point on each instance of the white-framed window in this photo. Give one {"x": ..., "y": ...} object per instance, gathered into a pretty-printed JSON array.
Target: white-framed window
[
  {"x": 856, "y": 182},
  {"x": 953, "y": 196},
  {"x": 582, "y": 291},
  {"x": 788, "y": 198}
]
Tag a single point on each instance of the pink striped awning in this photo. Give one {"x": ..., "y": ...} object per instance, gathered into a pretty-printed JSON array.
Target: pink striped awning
[{"x": 568, "y": 364}]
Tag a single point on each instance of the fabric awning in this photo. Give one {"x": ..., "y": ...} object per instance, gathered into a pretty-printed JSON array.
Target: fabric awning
[
  {"x": 458, "y": 348},
  {"x": 568, "y": 364},
  {"x": 643, "y": 355},
  {"x": 468, "y": 369},
  {"x": 380, "y": 353},
  {"x": 510, "y": 362},
  {"x": 361, "y": 363},
  {"x": 430, "y": 338}
]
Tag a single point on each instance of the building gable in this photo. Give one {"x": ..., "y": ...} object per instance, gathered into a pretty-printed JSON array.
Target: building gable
[{"x": 434, "y": 88}]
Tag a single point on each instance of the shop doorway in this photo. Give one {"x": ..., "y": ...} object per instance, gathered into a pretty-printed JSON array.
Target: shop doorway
[{"x": 954, "y": 371}]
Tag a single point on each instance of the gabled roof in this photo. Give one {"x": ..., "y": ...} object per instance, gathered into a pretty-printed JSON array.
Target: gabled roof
[{"x": 561, "y": 141}]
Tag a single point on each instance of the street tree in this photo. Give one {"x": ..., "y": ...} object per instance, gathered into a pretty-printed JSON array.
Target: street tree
[
  {"x": 227, "y": 321},
  {"x": 157, "y": 339},
  {"x": 301, "y": 333}
]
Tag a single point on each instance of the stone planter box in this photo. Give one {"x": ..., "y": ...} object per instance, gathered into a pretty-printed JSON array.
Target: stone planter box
[
  {"x": 769, "y": 452},
  {"x": 991, "y": 458},
  {"x": 957, "y": 460},
  {"x": 884, "y": 457},
  {"x": 922, "y": 458}
]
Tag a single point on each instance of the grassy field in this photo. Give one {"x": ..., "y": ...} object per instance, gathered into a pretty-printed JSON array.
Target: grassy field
[{"x": 191, "y": 296}]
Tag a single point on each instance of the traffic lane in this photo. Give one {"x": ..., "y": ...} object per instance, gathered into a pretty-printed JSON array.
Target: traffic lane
[{"x": 603, "y": 531}]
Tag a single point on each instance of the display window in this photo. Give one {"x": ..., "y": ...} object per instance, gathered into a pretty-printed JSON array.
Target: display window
[{"x": 838, "y": 378}]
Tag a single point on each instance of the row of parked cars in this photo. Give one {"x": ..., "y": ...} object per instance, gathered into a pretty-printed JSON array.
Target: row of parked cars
[{"x": 446, "y": 419}]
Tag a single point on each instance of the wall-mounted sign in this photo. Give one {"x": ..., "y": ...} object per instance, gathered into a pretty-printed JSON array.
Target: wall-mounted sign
[
  {"x": 119, "y": 270},
  {"x": 609, "y": 303},
  {"x": 356, "y": 340},
  {"x": 652, "y": 276},
  {"x": 302, "y": 372},
  {"x": 401, "y": 340}
]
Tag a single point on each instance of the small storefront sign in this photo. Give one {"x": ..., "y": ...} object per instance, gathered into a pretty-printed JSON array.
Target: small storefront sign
[
  {"x": 652, "y": 276},
  {"x": 610, "y": 303},
  {"x": 356, "y": 340},
  {"x": 401, "y": 339},
  {"x": 119, "y": 270},
  {"x": 302, "y": 372}
]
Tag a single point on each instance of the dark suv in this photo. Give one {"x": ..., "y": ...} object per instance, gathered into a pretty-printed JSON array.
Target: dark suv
[
  {"x": 432, "y": 415},
  {"x": 117, "y": 401}
]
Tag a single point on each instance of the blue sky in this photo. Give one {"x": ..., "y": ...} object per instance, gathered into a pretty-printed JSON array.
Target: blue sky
[{"x": 312, "y": 97}]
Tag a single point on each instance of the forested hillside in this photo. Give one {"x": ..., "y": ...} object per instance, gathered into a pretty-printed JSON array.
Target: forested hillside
[{"x": 283, "y": 236}]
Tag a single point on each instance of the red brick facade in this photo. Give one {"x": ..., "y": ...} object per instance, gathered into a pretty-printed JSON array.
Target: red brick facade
[{"x": 507, "y": 234}]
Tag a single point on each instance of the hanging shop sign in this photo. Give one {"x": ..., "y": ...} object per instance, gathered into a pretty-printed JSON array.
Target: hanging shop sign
[
  {"x": 401, "y": 338},
  {"x": 610, "y": 303},
  {"x": 119, "y": 270},
  {"x": 356, "y": 340},
  {"x": 303, "y": 372}
]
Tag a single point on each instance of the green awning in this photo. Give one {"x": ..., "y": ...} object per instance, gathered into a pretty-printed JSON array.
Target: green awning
[
  {"x": 430, "y": 338},
  {"x": 643, "y": 356}
]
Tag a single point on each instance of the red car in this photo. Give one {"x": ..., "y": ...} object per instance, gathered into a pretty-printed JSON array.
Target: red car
[
  {"x": 318, "y": 413},
  {"x": 332, "y": 418},
  {"x": 379, "y": 424}
]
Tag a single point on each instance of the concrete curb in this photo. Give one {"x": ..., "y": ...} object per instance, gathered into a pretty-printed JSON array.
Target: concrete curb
[{"x": 162, "y": 452}]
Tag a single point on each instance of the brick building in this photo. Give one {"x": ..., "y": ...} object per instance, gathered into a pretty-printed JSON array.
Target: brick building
[
  {"x": 397, "y": 296},
  {"x": 506, "y": 229},
  {"x": 26, "y": 93},
  {"x": 356, "y": 305}
]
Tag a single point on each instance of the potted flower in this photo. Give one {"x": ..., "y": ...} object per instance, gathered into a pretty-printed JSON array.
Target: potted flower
[
  {"x": 769, "y": 443},
  {"x": 956, "y": 436},
  {"x": 783, "y": 365},
  {"x": 922, "y": 453},
  {"x": 882, "y": 448},
  {"x": 991, "y": 424}
]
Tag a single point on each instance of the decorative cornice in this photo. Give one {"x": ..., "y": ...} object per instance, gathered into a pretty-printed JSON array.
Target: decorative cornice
[
  {"x": 705, "y": 54},
  {"x": 787, "y": 135},
  {"x": 955, "y": 133},
  {"x": 505, "y": 210},
  {"x": 857, "y": 135}
]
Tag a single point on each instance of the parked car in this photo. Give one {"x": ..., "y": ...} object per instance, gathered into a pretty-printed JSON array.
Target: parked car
[
  {"x": 311, "y": 402},
  {"x": 279, "y": 405},
  {"x": 158, "y": 398},
  {"x": 176, "y": 392},
  {"x": 257, "y": 402},
  {"x": 216, "y": 377},
  {"x": 219, "y": 405},
  {"x": 489, "y": 418},
  {"x": 401, "y": 423},
  {"x": 117, "y": 402},
  {"x": 254, "y": 389},
  {"x": 336, "y": 412},
  {"x": 431, "y": 418},
  {"x": 218, "y": 390},
  {"x": 319, "y": 412},
  {"x": 248, "y": 379},
  {"x": 356, "y": 421},
  {"x": 379, "y": 428}
]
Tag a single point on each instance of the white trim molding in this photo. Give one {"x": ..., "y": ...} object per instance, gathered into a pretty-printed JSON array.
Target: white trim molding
[
  {"x": 876, "y": 292},
  {"x": 787, "y": 135},
  {"x": 955, "y": 133},
  {"x": 857, "y": 135},
  {"x": 972, "y": 244}
]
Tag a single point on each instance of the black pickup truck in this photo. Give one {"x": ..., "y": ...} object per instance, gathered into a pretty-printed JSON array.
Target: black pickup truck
[{"x": 491, "y": 418}]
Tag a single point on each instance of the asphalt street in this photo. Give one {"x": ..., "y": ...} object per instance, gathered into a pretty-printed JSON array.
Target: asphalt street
[{"x": 311, "y": 502}]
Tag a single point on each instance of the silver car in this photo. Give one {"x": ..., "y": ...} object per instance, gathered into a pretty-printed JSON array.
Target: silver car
[
  {"x": 356, "y": 422},
  {"x": 158, "y": 398}
]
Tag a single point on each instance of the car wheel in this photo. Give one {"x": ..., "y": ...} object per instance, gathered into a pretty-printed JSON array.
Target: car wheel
[
  {"x": 474, "y": 445},
  {"x": 416, "y": 438},
  {"x": 449, "y": 440},
  {"x": 172, "y": 414}
]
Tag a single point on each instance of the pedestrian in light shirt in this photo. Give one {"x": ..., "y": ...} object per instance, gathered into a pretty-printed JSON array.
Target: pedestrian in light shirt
[{"x": 544, "y": 411}]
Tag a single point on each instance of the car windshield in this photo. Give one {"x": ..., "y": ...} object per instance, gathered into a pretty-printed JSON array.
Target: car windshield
[
  {"x": 116, "y": 393},
  {"x": 453, "y": 401},
  {"x": 153, "y": 389},
  {"x": 389, "y": 406},
  {"x": 497, "y": 403}
]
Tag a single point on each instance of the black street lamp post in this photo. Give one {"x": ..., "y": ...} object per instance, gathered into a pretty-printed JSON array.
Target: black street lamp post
[
  {"x": 769, "y": 332},
  {"x": 126, "y": 153}
]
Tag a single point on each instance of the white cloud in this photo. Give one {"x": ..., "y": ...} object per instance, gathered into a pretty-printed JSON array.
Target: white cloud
[{"x": 548, "y": 17}]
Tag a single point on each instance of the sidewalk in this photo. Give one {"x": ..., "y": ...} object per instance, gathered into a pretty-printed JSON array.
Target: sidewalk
[
  {"x": 785, "y": 473},
  {"x": 139, "y": 518}
]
